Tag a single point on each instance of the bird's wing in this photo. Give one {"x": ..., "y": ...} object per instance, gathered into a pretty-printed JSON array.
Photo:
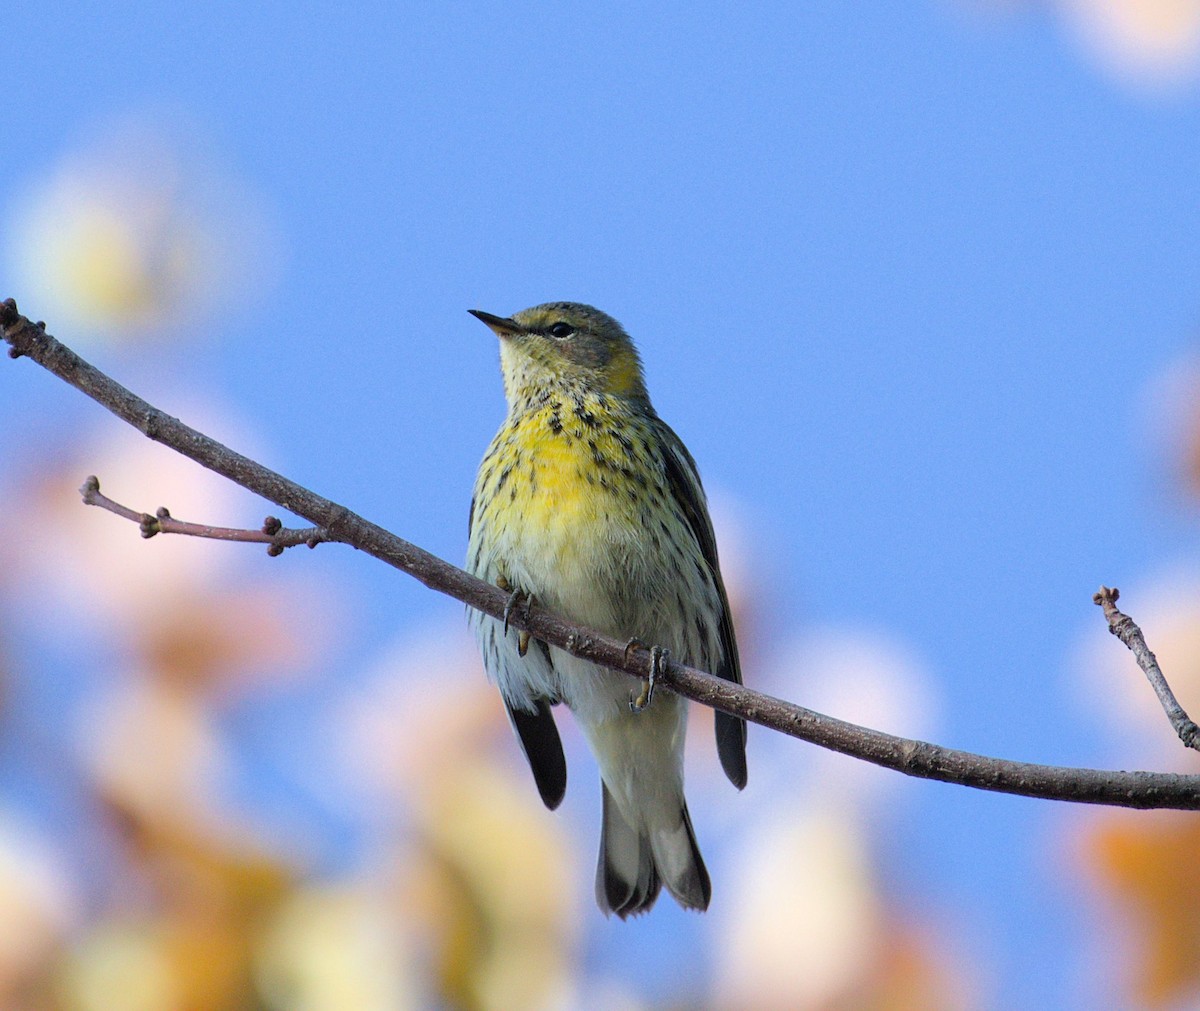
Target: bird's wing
[
  {"x": 684, "y": 481},
  {"x": 539, "y": 739},
  {"x": 536, "y": 729}
]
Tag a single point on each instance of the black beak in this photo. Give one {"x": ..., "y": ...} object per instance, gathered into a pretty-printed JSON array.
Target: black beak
[{"x": 501, "y": 326}]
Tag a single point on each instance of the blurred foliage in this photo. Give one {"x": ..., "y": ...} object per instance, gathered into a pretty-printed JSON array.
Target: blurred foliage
[
  {"x": 165, "y": 893},
  {"x": 1147, "y": 868}
]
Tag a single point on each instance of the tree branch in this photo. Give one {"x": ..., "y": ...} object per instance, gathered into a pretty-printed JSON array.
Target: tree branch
[
  {"x": 337, "y": 523},
  {"x": 1126, "y": 629},
  {"x": 272, "y": 533}
]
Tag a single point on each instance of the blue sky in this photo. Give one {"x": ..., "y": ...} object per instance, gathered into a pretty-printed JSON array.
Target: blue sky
[{"x": 901, "y": 276}]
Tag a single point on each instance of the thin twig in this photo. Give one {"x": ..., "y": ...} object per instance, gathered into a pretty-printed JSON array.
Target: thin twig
[
  {"x": 914, "y": 758},
  {"x": 1126, "y": 629},
  {"x": 273, "y": 533}
]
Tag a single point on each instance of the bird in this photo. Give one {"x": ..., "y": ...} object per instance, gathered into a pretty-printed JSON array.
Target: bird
[{"x": 587, "y": 503}]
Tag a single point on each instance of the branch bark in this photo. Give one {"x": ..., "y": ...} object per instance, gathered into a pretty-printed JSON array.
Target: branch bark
[
  {"x": 1126, "y": 629},
  {"x": 337, "y": 523}
]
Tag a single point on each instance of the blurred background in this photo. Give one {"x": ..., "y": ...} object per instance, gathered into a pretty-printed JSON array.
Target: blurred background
[{"x": 917, "y": 283}]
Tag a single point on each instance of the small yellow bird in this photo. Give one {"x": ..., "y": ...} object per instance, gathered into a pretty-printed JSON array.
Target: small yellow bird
[{"x": 589, "y": 504}]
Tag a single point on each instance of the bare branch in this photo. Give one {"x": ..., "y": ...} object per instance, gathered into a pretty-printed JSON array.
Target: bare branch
[
  {"x": 1126, "y": 629},
  {"x": 914, "y": 758},
  {"x": 273, "y": 533}
]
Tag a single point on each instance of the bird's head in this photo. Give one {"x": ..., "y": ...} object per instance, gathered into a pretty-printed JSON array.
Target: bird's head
[{"x": 565, "y": 344}]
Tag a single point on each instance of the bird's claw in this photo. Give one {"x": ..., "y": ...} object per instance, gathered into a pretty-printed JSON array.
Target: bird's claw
[
  {"x": 658, "y": 660},
  {"x": 631, "y": 645},
  {"x": 515, "y": 598}
]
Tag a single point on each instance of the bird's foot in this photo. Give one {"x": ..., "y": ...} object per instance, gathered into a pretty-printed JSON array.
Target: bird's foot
[
  {"x": 517, "y": 598},
  {"x": 633, "y": 644},
  {"x": 658, "y": 662}
]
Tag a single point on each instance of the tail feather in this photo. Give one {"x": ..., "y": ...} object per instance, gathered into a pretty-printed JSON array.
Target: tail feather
[
  {"x": 683, "y": 867},
  {"x": 627, "y": 881},
  {"x": 634, "y": 865}
]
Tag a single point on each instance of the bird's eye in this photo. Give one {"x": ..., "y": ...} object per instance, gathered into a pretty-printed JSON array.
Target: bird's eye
[{"x": 561, "y": 330}]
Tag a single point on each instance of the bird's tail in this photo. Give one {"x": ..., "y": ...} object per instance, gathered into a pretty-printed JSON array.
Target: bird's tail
[{"x": 635, "y": 863}]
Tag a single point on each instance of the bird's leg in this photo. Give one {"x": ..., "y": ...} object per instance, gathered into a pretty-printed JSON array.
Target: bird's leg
[
  {"x": 637, "y": 702},
  {"x": 514, "y": 598},
  {"x": 658, "y": 661},
  {"x": 630, "y": 646},
  {"x": 523, "y": 636},
  {"x": 517, "y": 596}
]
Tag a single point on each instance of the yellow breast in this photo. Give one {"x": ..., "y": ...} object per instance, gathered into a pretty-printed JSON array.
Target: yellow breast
[{"x": 557, "y": 489}]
